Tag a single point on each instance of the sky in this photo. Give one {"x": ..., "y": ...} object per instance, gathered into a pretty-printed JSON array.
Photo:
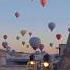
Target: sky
[{"x": 34, "y": 18}]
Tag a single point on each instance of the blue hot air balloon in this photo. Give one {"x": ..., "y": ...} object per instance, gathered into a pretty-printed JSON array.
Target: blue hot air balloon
[
  {"x": 51, "y": 26},
  {"x": 34, "y": 42}
]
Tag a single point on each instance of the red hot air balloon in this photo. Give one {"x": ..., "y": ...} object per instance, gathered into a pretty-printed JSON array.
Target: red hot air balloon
[
  {"x": 58, "y": 36},
  {"x": 43, "y": 2},
  {"x": 17, "y": 14}
]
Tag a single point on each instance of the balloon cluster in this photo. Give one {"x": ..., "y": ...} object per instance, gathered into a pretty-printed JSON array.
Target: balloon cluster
[
  {"x": 5, "y": 43},
  {"x": 23, "y": 33},
  {"x": 35, "y": 42},
  {"x": 51, "y": 26}
]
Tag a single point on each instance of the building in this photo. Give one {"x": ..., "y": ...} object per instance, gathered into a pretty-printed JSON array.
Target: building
[
  {"x": 5, "y": 64},
  {"x": 64, "y": 64},
  {"x": 61, "y": 49},
  {"x": 2, "y": 57},
  {"x": 19, "y": 61}
]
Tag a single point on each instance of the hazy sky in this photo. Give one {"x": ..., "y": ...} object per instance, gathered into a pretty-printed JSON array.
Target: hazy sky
[{"x": 34, "y": 18}]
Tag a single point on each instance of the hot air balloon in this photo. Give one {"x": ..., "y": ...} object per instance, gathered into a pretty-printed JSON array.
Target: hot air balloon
[
  {"x": 23, "y": 32},
  {"x": 43, "y": 2},
  {"x": 30, "y": 33},
  {"x": 27, "y": 46},
  {"x": 17, "y": 14},
  {"x": 23, "y": 43},
  {"x": 17, "y": 37},
  {"x": 51, "y": 26},
  {"x": 58, "y": 36},
  {"x": 4, "y": 44},
  {"x": 5, "y": 36},
  {"x": 51, "y": 44},
  {"x": 34, "y": 42},
  {"x": 41, "y": 47}
]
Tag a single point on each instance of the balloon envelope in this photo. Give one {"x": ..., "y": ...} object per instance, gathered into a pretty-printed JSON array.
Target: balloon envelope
[
  {"x": 17, "y": 14},
  {"x": 51, "y": 26},
  {"x": 43, "y": 2},
  {"x": 23, "y": 43},
  {"x": 27, "y": 46},
  {"x": 4, "y": 44},
  {"x": 23, "y": 32},
  {"x": 30, "y": 33},
  {"x": 17, "y": 37},
  {"x": 51, "y": 44},
  {"x": 34, "y": 42},
  {"x": 5, "y": 36},
  {"x": 58, "y": 36}
]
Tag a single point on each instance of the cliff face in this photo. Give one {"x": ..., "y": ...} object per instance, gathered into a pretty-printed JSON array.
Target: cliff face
[{"x": 65, "y": 63}]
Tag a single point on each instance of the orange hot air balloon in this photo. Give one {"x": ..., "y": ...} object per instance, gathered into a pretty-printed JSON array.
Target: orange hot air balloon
[{"x": 43, "y": 2}]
